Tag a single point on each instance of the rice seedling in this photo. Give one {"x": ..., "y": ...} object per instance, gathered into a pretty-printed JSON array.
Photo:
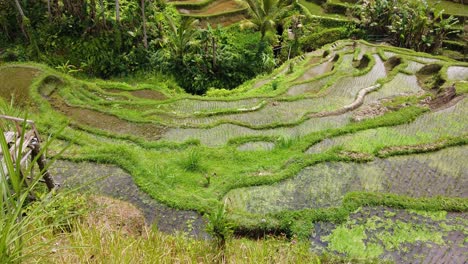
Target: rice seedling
[{"x": 192, "y": 161}]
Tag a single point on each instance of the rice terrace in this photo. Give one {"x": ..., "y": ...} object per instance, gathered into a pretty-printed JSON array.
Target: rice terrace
[{"x": 328, "y": 144}]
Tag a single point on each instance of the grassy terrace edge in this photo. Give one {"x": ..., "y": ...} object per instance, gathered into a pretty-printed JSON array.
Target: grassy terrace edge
[{"x": 286, "y": 221}]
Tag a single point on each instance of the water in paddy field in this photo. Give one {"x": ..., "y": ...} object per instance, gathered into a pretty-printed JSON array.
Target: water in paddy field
[
  {"x": 324, "y": 185},
  {"x": 112, "y": 181},
  {"x": 395, "y": 235}
]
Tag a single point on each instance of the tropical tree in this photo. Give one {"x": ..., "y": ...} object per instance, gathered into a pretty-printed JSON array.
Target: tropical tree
[
  {"x": 264, "y": 14},
  {"x": 180, "y": 38},
  {"x": 410, "y": 23}
]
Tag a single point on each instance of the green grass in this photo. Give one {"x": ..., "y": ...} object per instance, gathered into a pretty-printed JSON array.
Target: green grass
[
  {"x": 450, "y": 7},
  {"x": 387, "y": 234},
  {"x": 200, "y": 134},
  {"x": 101, "y": 245},
  {"x": 316, "y": 9},
  {"x": 351, "y": 243}
]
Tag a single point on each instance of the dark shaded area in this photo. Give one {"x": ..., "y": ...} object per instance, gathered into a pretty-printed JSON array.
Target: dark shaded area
[
  {"x": 429, "y": 77},
  {"x": 110, "y": 180},
  {"x": 392, "y": 62}
]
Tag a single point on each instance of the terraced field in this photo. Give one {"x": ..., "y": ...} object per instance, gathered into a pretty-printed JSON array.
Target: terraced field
[
  {"x": 358, "y": 142},
  {"x": 223, "y": 12}
]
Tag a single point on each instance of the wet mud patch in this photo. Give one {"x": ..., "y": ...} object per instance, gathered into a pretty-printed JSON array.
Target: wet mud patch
[
  {"x": 216, "y": 7},
  {"x": 148, "y": 94},
  {"x": 114, "y": 90},
  {"x": 15, "y": 83},
  {"x": 109, "y": 96},
  {"x": 110, "y": 180},
  {"x": 400, "y": 236},
  {"x": 106, "y": 122},
  {"x": 369, "y": 111},
  {"x": 222, "y": 20}
]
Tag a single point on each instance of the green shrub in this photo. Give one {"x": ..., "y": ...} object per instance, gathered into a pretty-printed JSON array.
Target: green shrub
[
  {"x": 335, "y": 8},
  {"x": 219, "y": 226},
  {"x": 192, "y": 161},
  {"x": 317, "y": 40},
  {"x": 23, "y": 221}
]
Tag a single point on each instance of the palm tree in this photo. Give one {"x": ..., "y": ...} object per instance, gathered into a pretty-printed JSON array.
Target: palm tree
[
  {"x": 180, "y": 38},
  {"x": 264, "y": 14}
]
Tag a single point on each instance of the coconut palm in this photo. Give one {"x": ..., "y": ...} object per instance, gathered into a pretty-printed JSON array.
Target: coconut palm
[
  {"x": 180, "y": 38},
  {"x": 264, "y": 14}
]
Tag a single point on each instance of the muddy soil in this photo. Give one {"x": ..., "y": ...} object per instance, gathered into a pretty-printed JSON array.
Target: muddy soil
[
  {"x": 372, "y": 110},
  {"x": 15, "y": 83},
  {"x": 216, "y": 7},
  {"x": 222, "y": 20},
  {"x": 148, "y": 94},
  {"x": 110, "y": 180},
  {"x": 453, "y": 250},
  {"x": 106, "y": 122}
]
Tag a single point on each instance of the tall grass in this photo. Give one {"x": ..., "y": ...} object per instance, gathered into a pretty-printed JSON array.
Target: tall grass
[
  {"x": 192, "y": 161},
  {"x": 94, "y": 245},
  {"x": 23, "y": 220}
]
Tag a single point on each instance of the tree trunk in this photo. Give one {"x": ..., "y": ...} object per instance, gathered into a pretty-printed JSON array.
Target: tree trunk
[
  {"x": 41, "y": 161},
  {"x": 20, "y": 10},
  {"x": 117, "y": 11},
  {"x": 49, "y": 10},
  {"x": 213, "y": 41},
  {"x": 103, "y": 12},
  {"x": 145, "y": 36},
  {"x": 56, "y": 8},
  {"x": 93, "y": 10}
]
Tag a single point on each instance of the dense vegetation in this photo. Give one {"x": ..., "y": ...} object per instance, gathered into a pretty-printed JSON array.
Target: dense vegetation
[
  {"x": 279, "y": 125},
  {"x": 119, "y": 38}
]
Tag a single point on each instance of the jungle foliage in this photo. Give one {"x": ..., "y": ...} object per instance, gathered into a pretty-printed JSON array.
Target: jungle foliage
[
  {"x": 411, "y": 24},
  {"x": 109, "y": 39}
]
